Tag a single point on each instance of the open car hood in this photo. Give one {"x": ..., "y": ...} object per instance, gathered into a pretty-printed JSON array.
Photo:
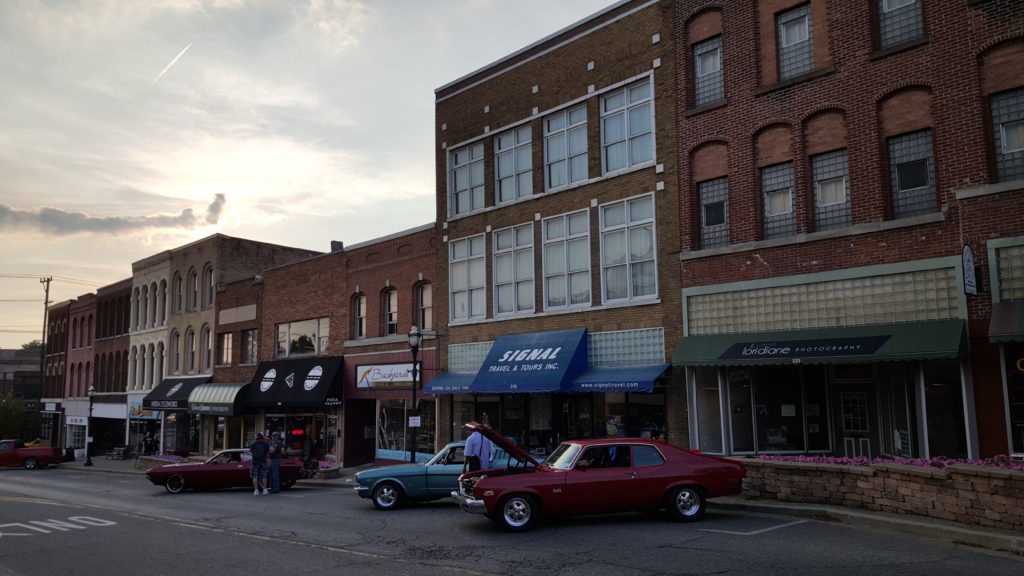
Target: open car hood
[{"x": 503, "y": 443}]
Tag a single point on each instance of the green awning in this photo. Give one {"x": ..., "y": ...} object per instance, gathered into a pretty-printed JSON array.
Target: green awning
[
  {"x": 1007, "y": 324},
  {"x": 852, "y": 345},
  {"x": 215, "y": 398}
]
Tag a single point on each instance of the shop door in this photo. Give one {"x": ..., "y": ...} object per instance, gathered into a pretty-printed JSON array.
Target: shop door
[
  {"x": 856, "y": 416},
  {"x": 577, "y": 419}
]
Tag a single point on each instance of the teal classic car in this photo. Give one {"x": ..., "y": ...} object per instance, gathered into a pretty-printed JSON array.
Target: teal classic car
[{"x": 391, "y": 487}]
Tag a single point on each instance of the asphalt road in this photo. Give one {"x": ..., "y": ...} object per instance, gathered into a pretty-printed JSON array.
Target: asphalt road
[{"x": 70, "y": 522}]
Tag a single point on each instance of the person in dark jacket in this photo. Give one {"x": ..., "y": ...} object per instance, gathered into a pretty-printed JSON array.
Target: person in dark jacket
[
  {"x": 258, "y": 472},
  {"x": 276, "y": 454}
]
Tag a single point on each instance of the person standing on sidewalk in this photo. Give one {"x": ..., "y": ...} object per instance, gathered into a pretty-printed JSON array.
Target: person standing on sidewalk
[
  {"x": 258, "y": 471},
  {"x": 276, "y": 454}
]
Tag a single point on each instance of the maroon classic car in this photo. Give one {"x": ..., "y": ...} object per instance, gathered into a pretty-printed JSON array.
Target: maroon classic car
[
  {"x": 225, "y": 469},
  {"x": 595, "y": 476}
]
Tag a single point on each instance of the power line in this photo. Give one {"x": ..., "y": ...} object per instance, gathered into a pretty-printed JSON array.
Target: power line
[{"x": 40, "y": 277}]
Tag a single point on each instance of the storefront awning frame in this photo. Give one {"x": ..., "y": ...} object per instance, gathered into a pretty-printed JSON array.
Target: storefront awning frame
[
  {"x": 450, "y": 383},
  {"x": 172, "y": 393},
  {"x": 307, "y": 382},
  {"x": 534, "y": 362},
  {"x": 618, "y": 378},
  {"x": 846, "y": 345},
  {"x": 216, "y": 398},
  {"x": 1007, "y": 323}
]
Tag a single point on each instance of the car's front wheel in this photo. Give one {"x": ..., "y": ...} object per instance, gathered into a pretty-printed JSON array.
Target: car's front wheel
[
  {"x": 175, "y": 484},
  {"x": 31, "y": 464},
  {"x": 686, "y": 503},
  {"x": 519, "y": 512},
  {"x": 387, "y": 496}
]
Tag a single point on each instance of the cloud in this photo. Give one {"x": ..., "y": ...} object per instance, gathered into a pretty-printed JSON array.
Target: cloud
[{"x": 64, "y": 223}]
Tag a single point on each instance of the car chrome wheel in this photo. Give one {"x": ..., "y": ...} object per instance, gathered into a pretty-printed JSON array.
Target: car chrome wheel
[
  {"x": 387, "y": 496},
  {"x": 175, "y": 484},
  {"x": 686, "y": 503},
  {"x": 518, "y": 512},
  {"x": 31, "y": 464}
]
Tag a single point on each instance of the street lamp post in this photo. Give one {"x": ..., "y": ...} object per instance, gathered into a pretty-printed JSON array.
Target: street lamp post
[
  {"x": 88, "y": 429},
  {"x": 415, "y": 337}
]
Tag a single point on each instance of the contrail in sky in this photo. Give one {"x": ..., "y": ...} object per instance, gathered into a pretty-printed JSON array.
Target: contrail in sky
[{"x": 168, "y": 67}]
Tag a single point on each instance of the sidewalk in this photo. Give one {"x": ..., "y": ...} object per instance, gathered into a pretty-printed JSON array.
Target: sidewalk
[{"x": 906, "y": 524}]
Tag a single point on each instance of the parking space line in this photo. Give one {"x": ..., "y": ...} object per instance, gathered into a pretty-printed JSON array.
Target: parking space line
[{"x": 755, "y": 532}]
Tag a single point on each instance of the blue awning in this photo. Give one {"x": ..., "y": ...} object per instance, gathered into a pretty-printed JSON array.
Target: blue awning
[
  {"x": 450, "y": 383},
  {"x": 533, "y": 362},
  {"x": 619, "y": 378}
]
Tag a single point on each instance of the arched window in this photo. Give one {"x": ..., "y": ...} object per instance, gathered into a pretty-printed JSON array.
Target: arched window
[
  {"x": 359, "y": 316},
  {"x": 207, "y": 344},
  {"x": 190, "y": 350},
  {"x": 389, "y": 304},
  {"x": 179, "y": 294},
  {"x": 193, "y": 289},
  {"x": 208, "y": 286},
  {"x": 425, "y": 307},
  {"x": 176, "y": 352}
]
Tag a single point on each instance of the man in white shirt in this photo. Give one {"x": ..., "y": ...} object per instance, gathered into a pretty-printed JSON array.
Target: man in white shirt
[{"x": 478, "y": 452}]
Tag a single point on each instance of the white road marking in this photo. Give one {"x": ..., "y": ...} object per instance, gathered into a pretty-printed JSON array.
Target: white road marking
[{"x": 755, "y": 532}]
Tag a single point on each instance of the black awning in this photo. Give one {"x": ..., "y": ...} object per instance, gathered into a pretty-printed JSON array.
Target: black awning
[
  {"x": 309, "y": 382},
  {"x": 849, "y": 345},
  {"x": 172, "y": 393}
]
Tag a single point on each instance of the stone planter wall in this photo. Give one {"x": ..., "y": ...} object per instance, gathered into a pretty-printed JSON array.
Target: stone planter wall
[{"x": 976, "y": 495}]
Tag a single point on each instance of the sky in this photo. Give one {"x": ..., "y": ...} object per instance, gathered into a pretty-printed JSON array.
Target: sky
[{"x": 128, "y": 128}]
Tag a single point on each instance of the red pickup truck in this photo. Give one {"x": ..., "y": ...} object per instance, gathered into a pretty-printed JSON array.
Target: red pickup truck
[{"x": 15, "y": 453}]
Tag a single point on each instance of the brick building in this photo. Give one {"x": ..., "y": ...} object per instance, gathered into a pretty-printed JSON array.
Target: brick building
[
  {"x": 851, "y": 179},
  {"x": 172, "y": 327},
  {"x": 559, "y": 216}
]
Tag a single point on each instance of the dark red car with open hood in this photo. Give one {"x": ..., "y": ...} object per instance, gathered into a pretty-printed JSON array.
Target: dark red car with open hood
[{"x": 596, "y": 475}]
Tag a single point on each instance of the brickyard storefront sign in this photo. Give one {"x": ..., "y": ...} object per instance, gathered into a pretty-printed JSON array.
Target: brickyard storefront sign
[{"x": 376, "y": 376}]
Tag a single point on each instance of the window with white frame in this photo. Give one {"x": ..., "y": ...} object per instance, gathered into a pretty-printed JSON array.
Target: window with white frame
[
  {"x": 565, "y": 147},
  {"x": 513, "y": 270},
  {"x": 250, "y": 346},
  {"x": 567, "y": 260},
  {"x": 513, "y": 164},
  {"x": 1008, "y": 124},
  {"x": 794, "y": 37},
  {"x": 224, "y": 348},
  {"x": 303, "y": 338},
  {"x": 628, "y": 249},
  {"x": 913, "y": 174},
  {"x": 359, "y": 316},
  {"x": 831, "y": 190},
  {"x": 899, "y": 21},
  {"x": 707, "y": 68},
  {"x": 390, "y": 312},
  {"x": 466, "y": 179},
  {"x": 627, "y": 127},
  {"x": 425, "y": 307},
  {"x": 777, "y": 187},
  {"x": 467, "y": 278}
]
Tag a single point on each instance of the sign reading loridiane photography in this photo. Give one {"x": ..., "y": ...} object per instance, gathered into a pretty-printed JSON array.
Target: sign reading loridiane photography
[
  {"x": 854, "y": 346},
  {"x": 384, "y": 376}
]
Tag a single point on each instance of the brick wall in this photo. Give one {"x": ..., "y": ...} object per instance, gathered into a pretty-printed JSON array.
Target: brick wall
[{"x": 976, "y": 495}]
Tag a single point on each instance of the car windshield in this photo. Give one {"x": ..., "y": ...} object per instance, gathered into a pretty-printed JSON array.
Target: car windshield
[{"x": 563, "y": 456}]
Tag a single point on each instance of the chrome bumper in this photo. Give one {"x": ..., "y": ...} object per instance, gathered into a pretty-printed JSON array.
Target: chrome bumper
[{"x": 469, "y": 505}]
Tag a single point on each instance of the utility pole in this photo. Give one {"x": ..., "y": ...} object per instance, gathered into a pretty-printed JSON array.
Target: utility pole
[{"x": 45, "y": 281}]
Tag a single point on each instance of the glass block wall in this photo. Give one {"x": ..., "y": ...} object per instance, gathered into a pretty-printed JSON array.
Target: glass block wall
[
  {"x": 885, "y": 299},
  {"x": 626, "y": 347},
  {"x": 1010, "y": 270}
]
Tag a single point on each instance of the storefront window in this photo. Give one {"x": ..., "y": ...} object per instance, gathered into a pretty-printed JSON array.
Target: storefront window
[
  {"x": 645, "y": 417},
  {"x": 816, "y": 407},
  {"x": 741, "y": 410},
  {"x": 945, "y": 409},
  {"x": 896, "y": 388},
  {"x": 779, "y": 410},
  {"x": 1015, "y": 392},
  {"x": 709, "y": 409}
]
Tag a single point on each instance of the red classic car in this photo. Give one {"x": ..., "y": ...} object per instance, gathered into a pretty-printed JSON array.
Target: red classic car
[
  {"x": 596, "y": 476},
  {"x": 225, "y": 469},
  {"x": 17, "y": 453}
]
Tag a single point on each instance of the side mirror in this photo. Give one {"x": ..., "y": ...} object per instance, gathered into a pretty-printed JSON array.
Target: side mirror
[{"x": 583, "y": 465}]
